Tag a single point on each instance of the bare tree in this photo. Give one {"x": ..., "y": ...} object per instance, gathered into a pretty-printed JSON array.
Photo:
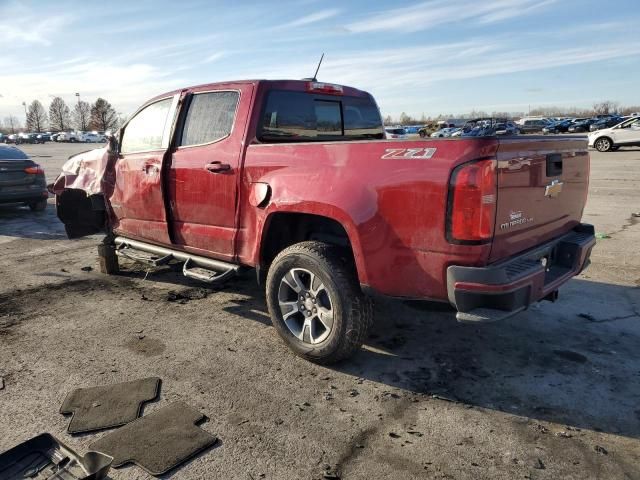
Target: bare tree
[
  {"x": 406, "y": 119},
  {"x": 59, "y": 116},
  {"x": 12, "y": 123},
  {"x": 606, "y": 107},
  {"x": 103, "y": 116},
  {"x": 36, "y": 117},
  {"x": 388, "y": 120},
  {"x": 81, "y": 115}
]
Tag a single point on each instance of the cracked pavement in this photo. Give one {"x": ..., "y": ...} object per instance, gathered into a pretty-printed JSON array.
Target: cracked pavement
[{"x": 552, "y": 393}]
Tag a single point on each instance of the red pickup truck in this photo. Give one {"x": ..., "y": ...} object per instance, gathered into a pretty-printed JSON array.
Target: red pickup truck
[{"x": 296, "y": 180}]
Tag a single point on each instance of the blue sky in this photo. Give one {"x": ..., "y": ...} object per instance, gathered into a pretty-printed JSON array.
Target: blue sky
[{"x": 432, "y": 57}]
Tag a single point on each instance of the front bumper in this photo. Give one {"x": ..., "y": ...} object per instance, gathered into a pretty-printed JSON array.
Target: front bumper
[{"x": 484, "y": 294}]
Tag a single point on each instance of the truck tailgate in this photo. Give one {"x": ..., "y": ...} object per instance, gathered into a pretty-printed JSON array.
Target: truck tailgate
[{"x": 542, "y": 191}]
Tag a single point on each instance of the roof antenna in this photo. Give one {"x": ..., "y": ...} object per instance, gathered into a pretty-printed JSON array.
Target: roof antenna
[{"x": 315, "y": 75}]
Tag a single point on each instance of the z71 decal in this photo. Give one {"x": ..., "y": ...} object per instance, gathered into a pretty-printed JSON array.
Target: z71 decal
[{"x": 409, "y": 153}]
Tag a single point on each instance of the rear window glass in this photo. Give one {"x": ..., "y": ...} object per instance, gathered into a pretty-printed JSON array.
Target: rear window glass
[
  {"x": 12, "y": 153},
  {"x": 209, "y": 118},
  {"x": 302, "y": 117}
]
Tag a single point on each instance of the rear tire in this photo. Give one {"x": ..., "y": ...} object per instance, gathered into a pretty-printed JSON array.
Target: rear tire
[
  {"x": 316, "y": 303},
  {"x": 39, "y": 206},
  {"x": 603, "y": 144}
]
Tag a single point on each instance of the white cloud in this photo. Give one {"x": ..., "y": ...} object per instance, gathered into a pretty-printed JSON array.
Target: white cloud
[
  {"x": 312, "y": 18},
  {"x": 21, "y": 26},
  {"x": 213, "y": 57},
  {"x": 426, "y": 15}
]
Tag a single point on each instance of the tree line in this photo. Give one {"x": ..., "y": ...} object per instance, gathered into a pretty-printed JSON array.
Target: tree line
[
  {"x": 601, "y": 108},
  {"x": 99, "y": 115}
]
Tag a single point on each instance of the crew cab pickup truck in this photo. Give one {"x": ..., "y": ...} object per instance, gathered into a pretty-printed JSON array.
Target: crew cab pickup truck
[{"x": 296, "y": 180}]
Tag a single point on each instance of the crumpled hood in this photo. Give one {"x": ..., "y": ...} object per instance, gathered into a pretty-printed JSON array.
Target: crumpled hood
[{"x": 90, "y": 171}]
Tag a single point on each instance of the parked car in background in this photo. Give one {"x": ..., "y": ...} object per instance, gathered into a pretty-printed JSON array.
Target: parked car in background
[
  {"x": 533, "y": 125},
  {"x": 625, "y": 134},
  {"x": 605, "y": 123},
  {"x": 428, "y": 129},
  {"x": 43, "y": 138},
  {"x": 21, "y": 179},
  {"x": 506, "y": 127},
  {"x": 581, "y": 125},
  {"x": 522, "y": 120},
  {"x": 92, "y": 137},
  {"x": 69, "y": 137},
  {"x": 395, "y": 132},
  {"x": 444, "y": 132},
  {"x": 27, "y": 138},
  {"x": 13, "y": 138},
  {"x": 561, "y": 126}
]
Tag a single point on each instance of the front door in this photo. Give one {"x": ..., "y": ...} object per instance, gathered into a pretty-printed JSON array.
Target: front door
[
  {"x": 629, "y": 132},
  {"x": 137, "y": 200},
  {"x": 204, "y": 170}
]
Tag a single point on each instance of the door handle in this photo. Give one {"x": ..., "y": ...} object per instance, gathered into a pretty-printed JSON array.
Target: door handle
[{"x": 218, "y": 167}]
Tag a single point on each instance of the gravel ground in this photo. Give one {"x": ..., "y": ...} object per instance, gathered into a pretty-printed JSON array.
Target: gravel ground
[{"x": 552, "y": 393}]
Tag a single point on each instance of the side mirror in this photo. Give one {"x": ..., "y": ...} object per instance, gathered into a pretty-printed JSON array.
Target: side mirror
[{"x": 112, "y": 139}]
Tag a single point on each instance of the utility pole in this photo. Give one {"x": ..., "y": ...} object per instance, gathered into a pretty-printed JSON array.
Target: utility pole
[
  {"x": 79, "y": 112},
  {"x": 26, "y": 118}
]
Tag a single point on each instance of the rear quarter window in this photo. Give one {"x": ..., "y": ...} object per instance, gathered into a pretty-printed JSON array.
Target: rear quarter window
[{"x": 302, "y": 117}]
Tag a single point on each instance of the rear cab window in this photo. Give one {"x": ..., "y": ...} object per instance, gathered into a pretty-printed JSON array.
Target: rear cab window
[{"x": 292, "y": 116}]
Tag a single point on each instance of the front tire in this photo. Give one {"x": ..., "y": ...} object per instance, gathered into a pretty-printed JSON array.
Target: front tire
[
  {"x": 316, "y": 303},
  {"x": 603, "y": 144}
]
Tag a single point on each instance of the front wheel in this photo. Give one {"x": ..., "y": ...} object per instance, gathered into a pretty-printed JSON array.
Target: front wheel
[
  {"x": 603, "y": 144},
  {"x": 316, "y": 303}
]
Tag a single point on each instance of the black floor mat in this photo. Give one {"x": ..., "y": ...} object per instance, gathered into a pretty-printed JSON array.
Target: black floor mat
[
  {"x": 158, "y": 442},
  {"x": 97, "y": 408},
  {"x": 44, "y": 457}
]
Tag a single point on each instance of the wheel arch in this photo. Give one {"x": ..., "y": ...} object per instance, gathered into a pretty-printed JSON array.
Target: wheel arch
[{"x": 283, "y": 228}]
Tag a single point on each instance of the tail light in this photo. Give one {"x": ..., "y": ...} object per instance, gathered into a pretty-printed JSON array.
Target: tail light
[
  {"x": 472, "y": 202},
  {"x": 35, "y": 170},
  {"x": 329, "y": 88}
]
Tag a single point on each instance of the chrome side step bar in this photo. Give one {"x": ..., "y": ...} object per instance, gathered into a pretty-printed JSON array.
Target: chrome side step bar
[{"x": 196, "y": 267}]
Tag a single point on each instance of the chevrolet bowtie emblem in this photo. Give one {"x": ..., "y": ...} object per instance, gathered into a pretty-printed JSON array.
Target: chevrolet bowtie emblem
[{"x": 553, "y": 189}]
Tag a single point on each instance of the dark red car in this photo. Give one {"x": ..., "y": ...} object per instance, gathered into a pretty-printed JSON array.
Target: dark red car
[{"x": 296, "y": 180}]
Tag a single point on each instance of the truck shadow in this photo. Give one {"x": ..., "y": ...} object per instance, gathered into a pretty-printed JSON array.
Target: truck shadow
[{"x": 575, "y": 362}]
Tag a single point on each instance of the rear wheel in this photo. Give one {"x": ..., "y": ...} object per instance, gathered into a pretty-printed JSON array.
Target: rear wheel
[
  {"x": 38, "y": 206},
  {"x": 603, "y": 144},
  {"x": 316, "y": 303}
]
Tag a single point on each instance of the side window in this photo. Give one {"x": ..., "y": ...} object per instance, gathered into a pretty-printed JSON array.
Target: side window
[
  {"x": 144, "y": 131},
  {"x": 209, "y": 118}
]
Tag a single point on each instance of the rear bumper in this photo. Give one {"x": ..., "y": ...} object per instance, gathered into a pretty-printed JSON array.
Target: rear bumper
[
  {"x": 34, "y": 194},
  {"x": 484, "y": 294}
]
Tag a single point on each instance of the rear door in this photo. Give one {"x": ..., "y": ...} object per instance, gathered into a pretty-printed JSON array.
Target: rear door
[
  {"x": 205, "y": 169},
  {"x": 137, "y": 201},
  {"x": 542, "y": 191}
]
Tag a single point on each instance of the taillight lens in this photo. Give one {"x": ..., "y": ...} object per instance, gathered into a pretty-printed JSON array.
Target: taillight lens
[
  {"x": 35, "y": 170},
  {"x": 472, "y": 202},
  {"x": 329, "y": 88}
]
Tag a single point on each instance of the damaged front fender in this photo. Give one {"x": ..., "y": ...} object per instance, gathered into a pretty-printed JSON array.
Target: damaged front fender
[{"x": 82, "y": 191}]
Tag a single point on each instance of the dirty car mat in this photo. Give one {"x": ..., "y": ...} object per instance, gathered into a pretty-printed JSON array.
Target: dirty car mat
[
  {"x": 97, "y": 408},
  {"x": 158, "y": 442},
  {"x": 44, "y": 457}
]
